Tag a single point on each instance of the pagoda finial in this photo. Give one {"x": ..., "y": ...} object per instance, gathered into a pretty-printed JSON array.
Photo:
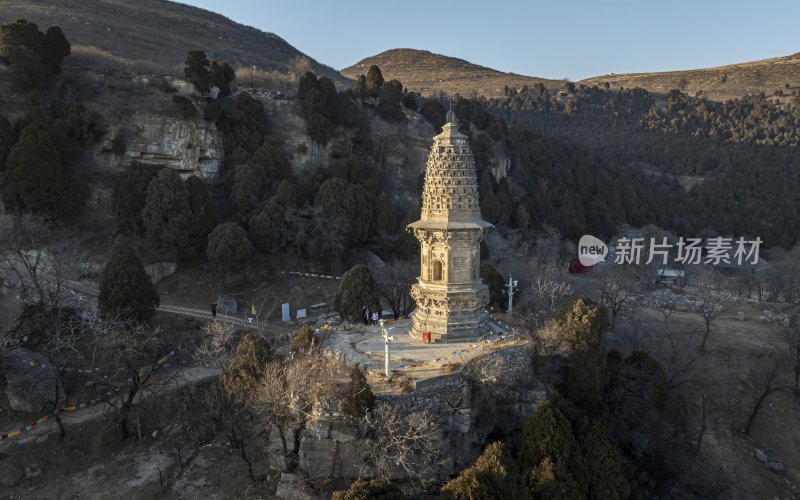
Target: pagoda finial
[{"x": 451, "y": 117}]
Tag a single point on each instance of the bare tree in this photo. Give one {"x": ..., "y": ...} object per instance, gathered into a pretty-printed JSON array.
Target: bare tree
[
  {"x": 285, "y": 396},
  {"x": 705, "y": 411},
  {"x": 298, "y": 66},
  {"x": 401, "y": 444},
  {"x": 218, "y": 344},
  {"x": 767, "y": 380},
  {"x": 43, "y": 257},
  {"x": 793, "y": 351},
  {"x": 543, "y": 298},
  {"x": 394, "y": 287},
  {"x": 135, "y": 355},
  {"x": 709, "y": 309},
  {"x": 616, "y": 292},
  {"x": 549, "y": 249}
]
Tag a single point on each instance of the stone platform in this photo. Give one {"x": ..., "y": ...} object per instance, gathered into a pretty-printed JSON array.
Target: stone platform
[{"x": 365, "y": 345}]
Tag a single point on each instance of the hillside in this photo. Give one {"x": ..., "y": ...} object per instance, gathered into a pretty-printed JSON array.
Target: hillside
[
  {"x": 154, "y": 35},
  {"x": 429, "y": 73},
  {"x": 720, "y": 83}
]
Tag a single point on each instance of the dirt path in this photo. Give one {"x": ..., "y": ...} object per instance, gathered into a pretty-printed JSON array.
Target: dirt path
[
  {"x": 185, "y": 311},
  {"x": 179, "y": 379}
]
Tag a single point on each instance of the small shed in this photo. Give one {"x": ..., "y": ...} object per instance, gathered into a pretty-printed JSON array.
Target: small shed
[
  {"x": 226, "y": 305},
  {"x": 671, "y": 277}
]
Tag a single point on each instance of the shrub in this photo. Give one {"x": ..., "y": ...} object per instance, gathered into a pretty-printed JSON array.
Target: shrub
[
  {"x": 303, "y": 339},
  {"x": 582, "y": 321},
  {"x": 247, "y": 368},
  {"x": 359, "y": 397},
  {"x": 494, "y": 475},
  {"x": 370, "y": 489}
]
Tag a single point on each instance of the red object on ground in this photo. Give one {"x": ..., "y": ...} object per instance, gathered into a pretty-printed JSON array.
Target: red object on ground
[
  {"x": 426, "y": 337},
  {"x": 575, "y": 267}
]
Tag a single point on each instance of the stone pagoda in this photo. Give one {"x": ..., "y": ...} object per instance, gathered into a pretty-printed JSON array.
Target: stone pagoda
[{"x": 449, "y": 293}]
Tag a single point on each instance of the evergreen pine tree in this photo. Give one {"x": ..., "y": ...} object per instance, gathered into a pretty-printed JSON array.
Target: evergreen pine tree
[
  {"x": 228, "y": 247},
  {"x": 34, "y": 170},
  {"x": 550, "y": 459},
  {"x": 491, "y": 209},
  {"x": 196, "y": 70},
  {"x": 167, "y": 213},
  {"x": 359, "y": 396},
  {"x": 125, "y": 286},
  {"x": 356, "y": 291},
  {"x": 374, "y": 80},
  {"x": 608, "y": 478}
]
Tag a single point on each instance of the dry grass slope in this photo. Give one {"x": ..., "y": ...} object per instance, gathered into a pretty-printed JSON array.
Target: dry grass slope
[
  {"x": 154, "y": 35},
  {"x": 720, "y": 83},
  {"x": 430, "y": 74}
]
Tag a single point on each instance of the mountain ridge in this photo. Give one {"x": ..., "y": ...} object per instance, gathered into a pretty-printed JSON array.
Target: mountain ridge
[
  {"x": 449, "y": 74},
  {"x": 724, "y": 82},
  {"x": 155, "y": 35},
  {"x": 430, "y": 73}
]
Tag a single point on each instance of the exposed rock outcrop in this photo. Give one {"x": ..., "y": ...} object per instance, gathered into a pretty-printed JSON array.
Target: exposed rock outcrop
[
  {"x": 29, "y": 388},
  {"x": 493, "y": 394},
  {"x": 191, "y": 146},
  {"x": 160, "y": 270}
]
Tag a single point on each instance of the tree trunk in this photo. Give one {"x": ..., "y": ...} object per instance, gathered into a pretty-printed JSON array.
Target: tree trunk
[
  {"x": 703, "y": 422},
  {"x": 752, "y": 418},
  {"x": 238, "y": 440},
  {"x": 62, "y": 432}
]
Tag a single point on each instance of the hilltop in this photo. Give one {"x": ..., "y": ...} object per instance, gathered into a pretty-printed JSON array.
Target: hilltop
[
  {"x": 155, "y": 35},
  {"x": 720, "y": 83},
  {"x": 429, "y": 73}
]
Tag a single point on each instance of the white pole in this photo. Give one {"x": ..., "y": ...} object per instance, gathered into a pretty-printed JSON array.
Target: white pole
[
  {"x": 511, "y": 285},
  {"x": 387, "y": 340}
]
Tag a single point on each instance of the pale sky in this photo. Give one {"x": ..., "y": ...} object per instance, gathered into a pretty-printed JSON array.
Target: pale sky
[{"x": 550, "y": 39}]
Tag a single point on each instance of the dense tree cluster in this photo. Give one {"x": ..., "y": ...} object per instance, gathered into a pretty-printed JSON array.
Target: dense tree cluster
[
  {"x": 35, "y": 57},
  {"x": 568, "y": 451},
  {"x": 205, "y": 73},
  {"x": 174, "y": 215},
  {"x": 324, "y": 107},
  {"x": 389, "y": 95},
  {"x": 39, "y": 153},
  {"x": 734, "y": 155}
]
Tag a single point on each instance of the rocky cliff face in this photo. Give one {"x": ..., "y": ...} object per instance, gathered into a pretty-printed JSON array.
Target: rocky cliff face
[
  {"x": 493, "y": 394},
  {"x": 191, "y": 146}
]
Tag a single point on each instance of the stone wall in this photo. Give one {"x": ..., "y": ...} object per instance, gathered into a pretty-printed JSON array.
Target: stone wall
[{"x": 493, "y": 394}]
